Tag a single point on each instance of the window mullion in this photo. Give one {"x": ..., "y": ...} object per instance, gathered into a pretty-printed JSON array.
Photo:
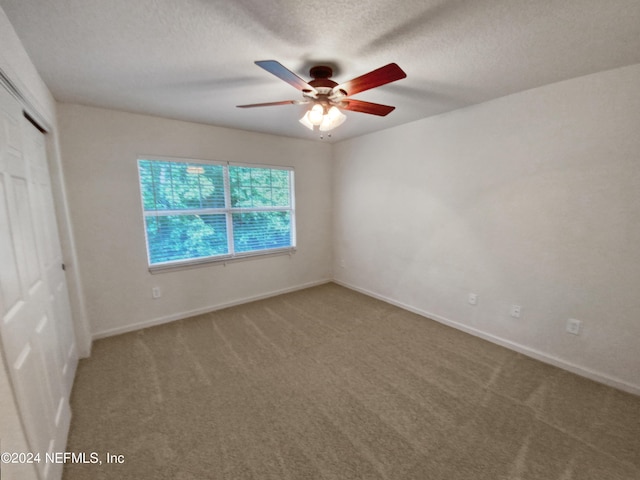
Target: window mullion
[
  {"x": 227, "y": 204},
  {"x": 292, "y": 207}
]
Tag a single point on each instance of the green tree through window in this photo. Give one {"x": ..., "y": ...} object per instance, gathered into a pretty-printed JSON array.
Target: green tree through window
[{"x": 206, "y": 211}]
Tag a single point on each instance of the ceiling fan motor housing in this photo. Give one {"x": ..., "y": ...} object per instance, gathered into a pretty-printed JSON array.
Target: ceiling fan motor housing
[
  {"x": 321, "y": 71},
  {"x": 321, "y": 79}
]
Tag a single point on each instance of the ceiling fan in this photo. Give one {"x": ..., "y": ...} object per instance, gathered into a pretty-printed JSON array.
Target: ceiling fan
[{"x": 326, "y": 97}]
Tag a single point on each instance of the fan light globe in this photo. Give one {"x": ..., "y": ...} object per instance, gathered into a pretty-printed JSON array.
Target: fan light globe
[
  {"x": 305, "y": 121},
  {"x": 316, "y": 114},
  {"x": 334, "y": 118}
]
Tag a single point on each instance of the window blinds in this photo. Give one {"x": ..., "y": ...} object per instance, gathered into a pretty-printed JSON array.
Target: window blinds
[{"x": 196, "y": 211}]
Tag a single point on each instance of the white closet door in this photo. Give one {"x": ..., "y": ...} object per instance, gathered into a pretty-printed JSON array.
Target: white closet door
[
  {"x": 35, "y": 326},
  {"x": 64, "y": 348}
]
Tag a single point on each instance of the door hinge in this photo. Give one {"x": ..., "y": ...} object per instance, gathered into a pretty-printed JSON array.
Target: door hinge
[{"x": 64, "y": 267}]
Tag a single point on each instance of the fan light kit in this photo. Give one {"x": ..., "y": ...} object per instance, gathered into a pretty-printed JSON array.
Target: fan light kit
[
  {"x": 325, "y": 120},
  {"x": 327, "y": 98}
]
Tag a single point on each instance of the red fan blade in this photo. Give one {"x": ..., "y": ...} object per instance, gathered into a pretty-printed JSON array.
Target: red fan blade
[
  {"x": 283, "y": 73},
  {"x": 367, "y": 107},
  {"x": 381, "y": 76},
  {"x": 270, "y": 104}
]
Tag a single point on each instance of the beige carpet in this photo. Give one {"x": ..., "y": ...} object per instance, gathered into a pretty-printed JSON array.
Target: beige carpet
[{"x": 326, "y": 383}]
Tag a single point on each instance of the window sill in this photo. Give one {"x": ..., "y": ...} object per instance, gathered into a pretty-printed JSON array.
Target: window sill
[{"x": 203, "y": 262}]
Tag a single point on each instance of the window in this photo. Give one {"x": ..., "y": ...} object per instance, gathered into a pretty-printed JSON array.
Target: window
[{"x": 196, "y": 211}]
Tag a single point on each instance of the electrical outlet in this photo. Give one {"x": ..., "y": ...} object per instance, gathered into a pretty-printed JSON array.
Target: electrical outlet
[
  {"x": 515, "y": 311},
  {"x": 155, "y": 292},
  {"x": 574, "y": 326},
  {"x": 473, "y": 299}
]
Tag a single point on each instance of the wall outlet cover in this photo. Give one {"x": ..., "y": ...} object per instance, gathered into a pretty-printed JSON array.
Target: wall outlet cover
[{"x": 574, "y": 327}]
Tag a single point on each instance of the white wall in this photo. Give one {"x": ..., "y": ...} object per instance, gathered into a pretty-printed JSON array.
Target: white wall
[
  {"x": 100, "y": 150},
  {"x": 16, "y": 64},
  {"x": 532, "y": 199}
]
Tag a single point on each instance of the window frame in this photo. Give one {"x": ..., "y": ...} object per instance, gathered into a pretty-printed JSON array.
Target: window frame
[{"x": 228, "y": 211}]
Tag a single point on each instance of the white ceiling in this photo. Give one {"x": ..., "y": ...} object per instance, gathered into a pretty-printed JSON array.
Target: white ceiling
[{"x": 193, "y": 59}]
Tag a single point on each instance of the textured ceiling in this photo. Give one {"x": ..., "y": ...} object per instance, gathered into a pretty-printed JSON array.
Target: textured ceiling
[{"x": 193, "y": 59}]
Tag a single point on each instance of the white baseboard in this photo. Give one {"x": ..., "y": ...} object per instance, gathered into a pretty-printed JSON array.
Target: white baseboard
[
  {"x": 211, "y": 308},
  {"x": 530, "y": 352}
]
